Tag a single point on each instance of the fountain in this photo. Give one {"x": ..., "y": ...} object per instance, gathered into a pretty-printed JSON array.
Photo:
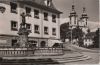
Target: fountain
[{"x": 23, "y": 32}]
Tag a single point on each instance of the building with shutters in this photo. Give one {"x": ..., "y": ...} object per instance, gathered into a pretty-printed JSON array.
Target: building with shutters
[{"x": 42, "y": 18}]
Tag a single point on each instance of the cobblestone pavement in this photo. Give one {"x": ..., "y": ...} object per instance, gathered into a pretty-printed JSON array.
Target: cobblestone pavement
[{"x": 94, "y": 59}]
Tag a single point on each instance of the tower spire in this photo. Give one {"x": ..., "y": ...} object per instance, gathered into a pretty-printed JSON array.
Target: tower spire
[
  {"x": 84, "y": 9},
  {"x": 73, "y": 16},
  {"x": 73, "y": 6},
  {"x": 84, "y": 17}
]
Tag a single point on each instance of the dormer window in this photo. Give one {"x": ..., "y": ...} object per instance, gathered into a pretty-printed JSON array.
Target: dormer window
[{"x": 47, "y": 2}]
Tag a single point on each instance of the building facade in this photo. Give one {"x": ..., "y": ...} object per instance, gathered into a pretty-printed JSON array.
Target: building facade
[
  {"x": 88, "y": 39},
  {"x": 42, "y": 18},
  {"x": 88, "y": 42}
]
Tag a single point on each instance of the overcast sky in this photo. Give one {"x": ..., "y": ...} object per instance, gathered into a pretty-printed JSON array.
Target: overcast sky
[{"x": 92, "y": 7}]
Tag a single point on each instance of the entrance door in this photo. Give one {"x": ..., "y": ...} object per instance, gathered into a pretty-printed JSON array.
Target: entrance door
[{"x": 43, "y": 44}]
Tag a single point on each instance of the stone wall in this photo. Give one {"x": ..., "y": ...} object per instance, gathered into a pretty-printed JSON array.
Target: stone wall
[
  {"x": 14, "y": 52},
  {"x": 48, "y": 51}
]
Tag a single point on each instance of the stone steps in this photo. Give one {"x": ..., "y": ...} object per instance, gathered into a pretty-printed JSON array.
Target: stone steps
[
  {"x": 71, "y": 59},
  {"x": 61, "y": 59}
]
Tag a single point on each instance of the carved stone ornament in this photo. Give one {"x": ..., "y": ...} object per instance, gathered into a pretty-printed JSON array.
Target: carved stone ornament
[{"x": 2, "y": 9}]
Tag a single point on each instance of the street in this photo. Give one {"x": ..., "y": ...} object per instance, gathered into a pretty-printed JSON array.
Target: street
[{"x": 94, "y": 59}]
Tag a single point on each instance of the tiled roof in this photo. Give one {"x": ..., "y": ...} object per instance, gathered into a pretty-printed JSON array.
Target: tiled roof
[{"x": 41, "y": 4}]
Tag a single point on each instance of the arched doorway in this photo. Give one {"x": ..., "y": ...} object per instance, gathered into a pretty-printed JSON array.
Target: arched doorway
[{"x": 43, "y": 44}]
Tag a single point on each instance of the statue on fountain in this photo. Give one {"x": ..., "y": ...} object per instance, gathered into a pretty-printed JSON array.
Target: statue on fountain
[{"x": 23, "y": 32}]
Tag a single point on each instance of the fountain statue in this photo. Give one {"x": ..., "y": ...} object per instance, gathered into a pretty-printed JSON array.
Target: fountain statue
[{"x": 23, "y": 32}]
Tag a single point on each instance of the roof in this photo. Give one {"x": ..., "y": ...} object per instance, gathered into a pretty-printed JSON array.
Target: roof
[{"x": 41, "y": 4}]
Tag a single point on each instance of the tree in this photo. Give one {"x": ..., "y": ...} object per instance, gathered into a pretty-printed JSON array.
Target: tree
[
  {"x": 77, "y": 33},
  {"x": 96, "y": 39},
  {"x": 80, "y": 42},
  {"x": 65, "y": 32},
  {"x": 64, "y": 29},
  {"x": 88, "y": 31}
]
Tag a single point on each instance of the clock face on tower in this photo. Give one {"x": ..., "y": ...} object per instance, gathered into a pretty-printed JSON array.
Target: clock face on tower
[{"x": 47, "y": 2}]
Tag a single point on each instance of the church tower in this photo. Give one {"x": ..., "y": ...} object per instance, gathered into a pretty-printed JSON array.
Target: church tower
[
  {"x": 73, "y": 17},
  {"x": 84, "y": 18},
  {"x": 83, "y": 21}
]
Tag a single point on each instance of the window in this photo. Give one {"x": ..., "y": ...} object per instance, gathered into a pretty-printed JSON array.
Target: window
[
  {"x": 86, "y": 23},
  {"x": 32, "y": 43},
  {"x": 45, "y": 30},
  {"x": 36, "y": 14},
  {"x": 36, "y": 28},
  {"x": 45, "y": 16},
  {"x": 47, "y": 2},
  {"x": 53, "y": 31},
  {"x": 75, "y": 20},
  {"x": 28, "y": 26},
  {"x": 13, "y": 7},
  {"x": 14, "y": 42},
  {"x": 43, "y": 44},
  {"x": 14, "y": 25},
  {"x": 28, "y": 11},
  {"x": 53, "y": 18}
]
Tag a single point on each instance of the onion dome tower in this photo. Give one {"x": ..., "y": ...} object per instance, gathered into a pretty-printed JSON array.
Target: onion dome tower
[
  {"x": 84, "y": 17},
  {"x": 73, "y": 17}
]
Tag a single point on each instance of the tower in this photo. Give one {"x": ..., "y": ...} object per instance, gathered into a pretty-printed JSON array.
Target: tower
[
  {"x": 83, "y": 21},
  {"x": 73, "y": 17},
  {"x": 84, "y": 18}
]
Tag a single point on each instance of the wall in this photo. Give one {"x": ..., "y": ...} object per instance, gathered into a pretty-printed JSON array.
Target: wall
[{"x": 16, "y": 52}]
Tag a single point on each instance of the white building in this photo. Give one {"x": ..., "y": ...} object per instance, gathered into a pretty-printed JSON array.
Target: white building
[
  {"x": 88, "y": 39},
  {"x": 42, "y": 17},
  {"x": 88, "y": 42}
]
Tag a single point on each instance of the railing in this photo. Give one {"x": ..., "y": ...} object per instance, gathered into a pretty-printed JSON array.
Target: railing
[{"x": 30, "y": 51}]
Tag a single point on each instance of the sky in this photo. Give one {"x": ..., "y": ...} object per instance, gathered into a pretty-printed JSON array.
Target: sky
[{"x": 92, "y": 8}]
